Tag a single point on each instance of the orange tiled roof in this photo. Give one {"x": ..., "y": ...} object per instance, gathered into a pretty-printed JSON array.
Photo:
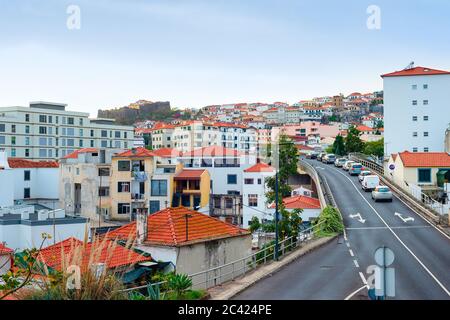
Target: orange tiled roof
[
  {"x": 186, "y": 174},
  {"x": 417, "y": 71},
  {"x": 136, "y": 153},
  {"x": 106, "y": 251},
  {"x": 22, "y": 163},
  {"x": 425, "y": 159},
  {"x": 4, "y": 249},
  {"x": 211, "y": 151},
  {"x": 260, "y": 167},
  {"x": 74, "y": 154},
  {"x": 300, "y": 202},
  {"x": 167, "y": 152},
  {"x": 364, "y": 128},
  {"x": 168, "y": 227}
]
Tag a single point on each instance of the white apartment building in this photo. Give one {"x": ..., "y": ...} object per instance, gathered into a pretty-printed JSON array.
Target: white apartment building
[
  {"x": 416, "y": 110},
  {"x": 46, "y": 131},
  {"x": 254, "y": 193}
]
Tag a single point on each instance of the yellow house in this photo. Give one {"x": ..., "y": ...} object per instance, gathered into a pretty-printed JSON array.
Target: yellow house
[{"x": 191, "y": 189}]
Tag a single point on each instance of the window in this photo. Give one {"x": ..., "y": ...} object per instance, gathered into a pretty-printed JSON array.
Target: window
[
  {"x": 123, "y": 187},
  {"x": 27, "y": 153},
  {"x": 103, "y": 172},
  {"x": 81, "y": 132},
  {"x": 42, "y": 130},
  {"x": 232, "y": 179},
  {"x": 248, "y": 181},
  {"x": 414, "y": 118},
  {"x": 123, "y": 208},
  {"x": 42, "y": 141},
  {"x": 103, "y": 191},
  {"x": 104, "y": 144},
  {"x": 50, "y": 119},
  {"x": 259, "y": 181},
  {"x": 159, "y": 187},
  {"x": 92, "y": 143},
  {"x": 70, "y": 142},
  {"x": 415, "y": 149},
  {"x": 117, "y": 144},
  {"x": 13, "y": 141},
  {"x": 2, "y": 127},
  {"x": 125, "y": 135},
  {"x": 426, "y": 149},
  {"x": 27, "y": 141},
  {"x": 154, "y": 206},
  {"x": 26, "y": 193},
  {"x": 252, "y": 200},
  {"x": 123, "y": 165},
  {"x": 414, "y": 102},
  {"x": 425, "y": 118},
  {"x": 77, "y": 171},
  {"x": 229, "y": 203},
  {"x": 70, "y": 132},
  {"x": 81, "y": 143},
  {"x": 27, "y": 117},
  {"x": 425, "y": 102},
  {"x": 424, "y": 175},
  {"x": 414, "y": 86},
  {"x": 26, "y": 175},
  {"x": 81, "y": 121},
  {"x": 13, "y": 152},
  {"x": 13, "y": 128},
  {"x": 117, "y": 134},
  {"x": 27, "y": 129},
  {"x": 425, "y": 134},
  {"x": 104, "y": 134},
  {"x": 414, "y": 134},
  {"x": 42, "y": 153},
  {"x": 42, "y": 118},
  {"x": 70, "y": 120},
  {"x": 425, "y": 86},
  {"x": 2, "y": 139},
  {"x": 92, "y": 133}
]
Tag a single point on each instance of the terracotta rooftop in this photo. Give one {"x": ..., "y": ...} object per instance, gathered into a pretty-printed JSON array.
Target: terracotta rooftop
[
  {"x": 75, "y": 154},
  {"x": 167, "y": 152},
  {"x": 5, "y": 250},
  {"x": 260, "y": 167},
  {"x": 139, "y": 152},
  {"x": 212, "y": 151},
  {"x": 425, "y": 159},
  {"x": 22, "y": 163},
  {"x": 168, "y": 228},
  {"x": 300, "y": 202},
  {"x": 417, "y": 71},
  {"x": 105, "y": 251},
  {"x": 189, "y": 174}
]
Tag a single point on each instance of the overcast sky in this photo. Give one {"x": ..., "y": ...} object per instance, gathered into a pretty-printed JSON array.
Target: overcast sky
[{"x": 196, "y": 53}]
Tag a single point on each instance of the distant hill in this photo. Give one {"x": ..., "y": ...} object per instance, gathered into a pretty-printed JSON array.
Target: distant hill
[{"x": 139, "y": 111}]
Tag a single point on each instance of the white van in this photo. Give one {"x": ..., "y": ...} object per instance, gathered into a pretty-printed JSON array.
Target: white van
[{"x": 370, "y": 182}]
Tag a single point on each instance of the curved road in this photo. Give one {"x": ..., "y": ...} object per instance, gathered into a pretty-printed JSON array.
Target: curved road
[{"x": 422, "y": 252}]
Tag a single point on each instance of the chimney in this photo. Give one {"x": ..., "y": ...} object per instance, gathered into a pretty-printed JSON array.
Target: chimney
[{"x": 141, "y": 226}]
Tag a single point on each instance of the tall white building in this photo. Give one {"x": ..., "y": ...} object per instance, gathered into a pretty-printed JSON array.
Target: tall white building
[
  {"x": 416, "y": 109},
  {"x": 47, "y": 131}
]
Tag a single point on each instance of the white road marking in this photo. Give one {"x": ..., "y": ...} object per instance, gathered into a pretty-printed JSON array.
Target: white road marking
[
  {"x": 358, "y": 215},
  {"x": 355, "y": 292},
  {"x": 351, "y": 252},
  {"x": 377, "y": 228},
  {"x": 348, "y": 244},
  {"x": 356, "y": 263},
  {"x": 403, "y": 219},
  {"x": 398, "y": 238},
  {"x": 363, "y": 278}
]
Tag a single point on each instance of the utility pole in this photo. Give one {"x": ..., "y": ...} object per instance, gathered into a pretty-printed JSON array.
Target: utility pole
[{"x": 276, "y": 215}]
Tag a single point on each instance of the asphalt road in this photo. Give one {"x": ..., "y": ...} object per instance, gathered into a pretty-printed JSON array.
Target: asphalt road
[{"x": 422, "y": 253}]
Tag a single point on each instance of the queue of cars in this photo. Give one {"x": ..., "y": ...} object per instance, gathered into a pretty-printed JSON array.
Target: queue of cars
[{"x": 369, "y": 181}]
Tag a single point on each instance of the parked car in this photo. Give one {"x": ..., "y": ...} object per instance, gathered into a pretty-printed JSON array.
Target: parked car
[
  {"x": 340, "y": 162},
  {"x": 314, "y": 155},
  {"x": 355, "y": 169},
  {"x": 370, "y": 182},
  {"x": 347, "y": 165},
  {"x": 320, "y": 156},
  {"x": 363, "y": 174},
  {"x": 329, "y": 158},
  {"x": 382, "y": 193}
]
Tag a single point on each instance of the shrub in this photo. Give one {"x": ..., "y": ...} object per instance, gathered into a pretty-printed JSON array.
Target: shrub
[{"x": 329, "y": 223}]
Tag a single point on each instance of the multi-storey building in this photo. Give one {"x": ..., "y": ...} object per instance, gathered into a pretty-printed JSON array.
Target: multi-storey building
[
  {"x": 416, "y": 109},
  {"x": 45, "y": 131}
]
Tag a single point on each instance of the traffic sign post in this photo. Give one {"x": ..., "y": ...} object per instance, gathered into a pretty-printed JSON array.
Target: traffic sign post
[{"x": 385, "y": 279}]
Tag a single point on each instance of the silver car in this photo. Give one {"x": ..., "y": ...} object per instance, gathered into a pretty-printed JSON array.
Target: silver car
[
  {"x": 382, "y": 193},
  {"x": 363, "y": 174},
  {"x": 340, "y": 162},
  {"x": 347, "y": 165}
]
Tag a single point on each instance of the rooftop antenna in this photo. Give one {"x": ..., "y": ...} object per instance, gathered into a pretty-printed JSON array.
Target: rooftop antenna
[{"x": 410, "y": 66}]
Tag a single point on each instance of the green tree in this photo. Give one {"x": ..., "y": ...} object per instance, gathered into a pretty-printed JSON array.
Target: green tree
[
  {"x": 375, "y": 148},
  {"x": 353, "y": 142},
  {"x": 339, "y": 146},
  {"x": 254, "y": 224}
]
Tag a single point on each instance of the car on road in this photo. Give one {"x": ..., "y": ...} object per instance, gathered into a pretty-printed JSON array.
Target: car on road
[
  {"x": 320, "y": 156},
  {"x": 329, "y": 158},
  {"x": 363, "y": 174},
  {"x": 355, "y": 169},
  {"x": 347, "y": 165},
  {"x": 339, "y": 162},
  {"x": 382, "y": 193},
  {"x": 370, "y": 182}
]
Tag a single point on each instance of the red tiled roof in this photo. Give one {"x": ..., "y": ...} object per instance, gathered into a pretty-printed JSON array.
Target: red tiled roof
[
  {"x": 105, "y": 251},
  {"x": 192, "y": 174},
  {"x": 22, "y": 163},
  {"x": 212, "y": 151},
  {"x": 139, "y": 152},
  {"x": 168, "y": 227},
  {"x": 425, "y": 159},
  {"x": 74, "y": 154},
  {"x": 417, "y": 71},
  {"x": 364, "y": 128},
  {"x": 260, "y": 167},
  {"x": 303, "y": 147},
  {"x": 5, "y": 250},
  {"x": 167, "y": 152},
  {"x": 300, "y": 202}
]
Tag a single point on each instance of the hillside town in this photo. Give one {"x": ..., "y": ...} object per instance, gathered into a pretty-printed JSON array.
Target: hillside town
[{"x": 186, "y": 196}]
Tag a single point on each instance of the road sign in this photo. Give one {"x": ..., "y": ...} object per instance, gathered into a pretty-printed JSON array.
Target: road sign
[
  {"x": 385, "y": 282},
  {"x": 391, "y": 166}
]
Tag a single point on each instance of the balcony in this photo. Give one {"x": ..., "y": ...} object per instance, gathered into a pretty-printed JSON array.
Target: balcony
[
  {"x": 139, "y": 176},
  {"x": 137, "y": 196}
]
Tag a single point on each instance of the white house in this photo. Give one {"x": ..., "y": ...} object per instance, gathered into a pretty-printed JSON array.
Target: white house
[
  {"x": 416, "y": 109},
  {"x": 254, "y": 193},
  {"x": 310, "y": 206}
]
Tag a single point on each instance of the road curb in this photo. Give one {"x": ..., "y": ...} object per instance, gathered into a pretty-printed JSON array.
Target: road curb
[{"x": 240, "y": 284}]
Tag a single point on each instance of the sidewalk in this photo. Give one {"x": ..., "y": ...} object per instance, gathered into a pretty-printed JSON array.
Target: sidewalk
[{"x": 229, "y": 289}]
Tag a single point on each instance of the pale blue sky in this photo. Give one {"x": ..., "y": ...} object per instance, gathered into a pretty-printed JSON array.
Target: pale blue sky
[{"x": 195, "y": 53}]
